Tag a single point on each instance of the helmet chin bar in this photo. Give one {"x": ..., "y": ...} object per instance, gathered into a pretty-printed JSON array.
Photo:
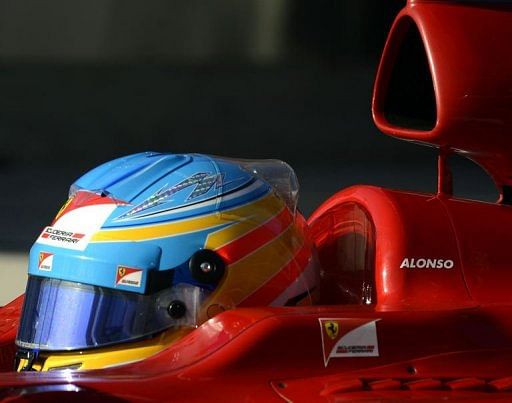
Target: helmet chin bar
[{"x": 178, "y": 306}]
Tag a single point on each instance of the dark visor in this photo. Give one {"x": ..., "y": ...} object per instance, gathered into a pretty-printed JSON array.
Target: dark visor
[{"x": 63, "y": 315}]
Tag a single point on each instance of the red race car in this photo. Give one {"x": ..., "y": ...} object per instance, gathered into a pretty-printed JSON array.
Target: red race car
[{"x": 384, "y": 295}]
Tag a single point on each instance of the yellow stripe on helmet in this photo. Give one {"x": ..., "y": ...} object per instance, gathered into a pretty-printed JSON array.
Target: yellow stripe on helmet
[
  {"x": 250, "y": 273},
  {"x": 248, "y": 217},
  {"x": 260, "y": 214}
]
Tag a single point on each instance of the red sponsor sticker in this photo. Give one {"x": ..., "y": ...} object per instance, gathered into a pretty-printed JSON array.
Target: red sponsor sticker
[
  {"x": 348, "y": 337},
  {"x": 129, "y": 276}
]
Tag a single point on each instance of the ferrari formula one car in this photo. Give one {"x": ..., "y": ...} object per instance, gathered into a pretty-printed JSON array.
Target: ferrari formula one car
[{"x": 192, "y": 278}]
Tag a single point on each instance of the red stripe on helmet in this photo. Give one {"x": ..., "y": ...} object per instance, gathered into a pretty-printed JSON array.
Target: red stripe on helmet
[
  {"x": 248, "y": 243},
  {"x": 85, "y": 198},
  {"x": 274, "y": 287}
]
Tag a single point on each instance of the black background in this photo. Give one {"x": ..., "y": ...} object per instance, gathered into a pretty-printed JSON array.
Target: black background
[{"x": 286, "y": 79}]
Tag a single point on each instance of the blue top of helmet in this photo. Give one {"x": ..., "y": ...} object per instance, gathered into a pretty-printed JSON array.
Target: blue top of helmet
[
  {"x": 155, "y": 183},
  {"x": 150, "y": 189}
]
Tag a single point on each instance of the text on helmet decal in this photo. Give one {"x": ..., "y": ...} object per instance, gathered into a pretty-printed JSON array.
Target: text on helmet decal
[{"x": 425, "y": 263}]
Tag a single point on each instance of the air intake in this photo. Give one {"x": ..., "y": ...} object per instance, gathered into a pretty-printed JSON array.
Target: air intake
[
  {"x": 445, "y": 80},
  {"x": 409, "y": 100}
]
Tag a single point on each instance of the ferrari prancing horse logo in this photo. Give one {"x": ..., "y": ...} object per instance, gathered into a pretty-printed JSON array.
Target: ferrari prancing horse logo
[
  {"x": 332, "y": 329},
  {"x": 121, "y": 271},
  {"x": 129, "y": 276}
]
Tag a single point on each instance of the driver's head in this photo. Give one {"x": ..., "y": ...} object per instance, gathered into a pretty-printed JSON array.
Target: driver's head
[{"x": 151, "y": 245}]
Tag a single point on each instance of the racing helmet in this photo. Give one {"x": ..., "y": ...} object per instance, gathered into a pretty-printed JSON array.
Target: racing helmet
[{"x": 151, "y": 245}]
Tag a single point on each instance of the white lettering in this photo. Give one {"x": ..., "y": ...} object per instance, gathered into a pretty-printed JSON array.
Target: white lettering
[
  {"x": 426, "y": 263},
  {"x": 405, "y": 264}
]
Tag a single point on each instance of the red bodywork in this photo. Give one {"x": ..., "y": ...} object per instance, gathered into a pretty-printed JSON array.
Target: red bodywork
[{"x": 430, "y": 273}]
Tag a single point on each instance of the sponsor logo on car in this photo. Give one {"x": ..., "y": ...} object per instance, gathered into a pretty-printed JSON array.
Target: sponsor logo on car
[{"x": 348, "y": 337}]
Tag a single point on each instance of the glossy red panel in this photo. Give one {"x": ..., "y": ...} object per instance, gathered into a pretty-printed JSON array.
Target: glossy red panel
[
  {"x": 467, "y": 46},
  {"x": 484, "y": 240},
  {"x": 417, "y": 261}
]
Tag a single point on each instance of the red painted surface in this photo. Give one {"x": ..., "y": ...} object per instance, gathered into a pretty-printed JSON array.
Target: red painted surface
[
  {"x": 468, "y": 49},
  {"x": 430, "y": 271},
  {"x": 439, "y": 330}
]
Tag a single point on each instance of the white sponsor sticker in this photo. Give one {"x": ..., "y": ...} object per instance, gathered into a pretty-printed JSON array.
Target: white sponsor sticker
[
  {"x": 75, "y": 229},
  {"x": 348, "y": 337}
]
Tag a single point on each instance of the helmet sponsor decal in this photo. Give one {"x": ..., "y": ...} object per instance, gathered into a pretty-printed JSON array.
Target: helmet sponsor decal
[
  {"x": 348, "y": 337},
  {"x": 424, "y": 263},
  {"x": 128, "y": 276},
  {"x": 202, "y": 183},
  {"x": 58, "y": 235},
  {"x": 45, "y": 261},
  {"x": 75, "y": 228}
]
